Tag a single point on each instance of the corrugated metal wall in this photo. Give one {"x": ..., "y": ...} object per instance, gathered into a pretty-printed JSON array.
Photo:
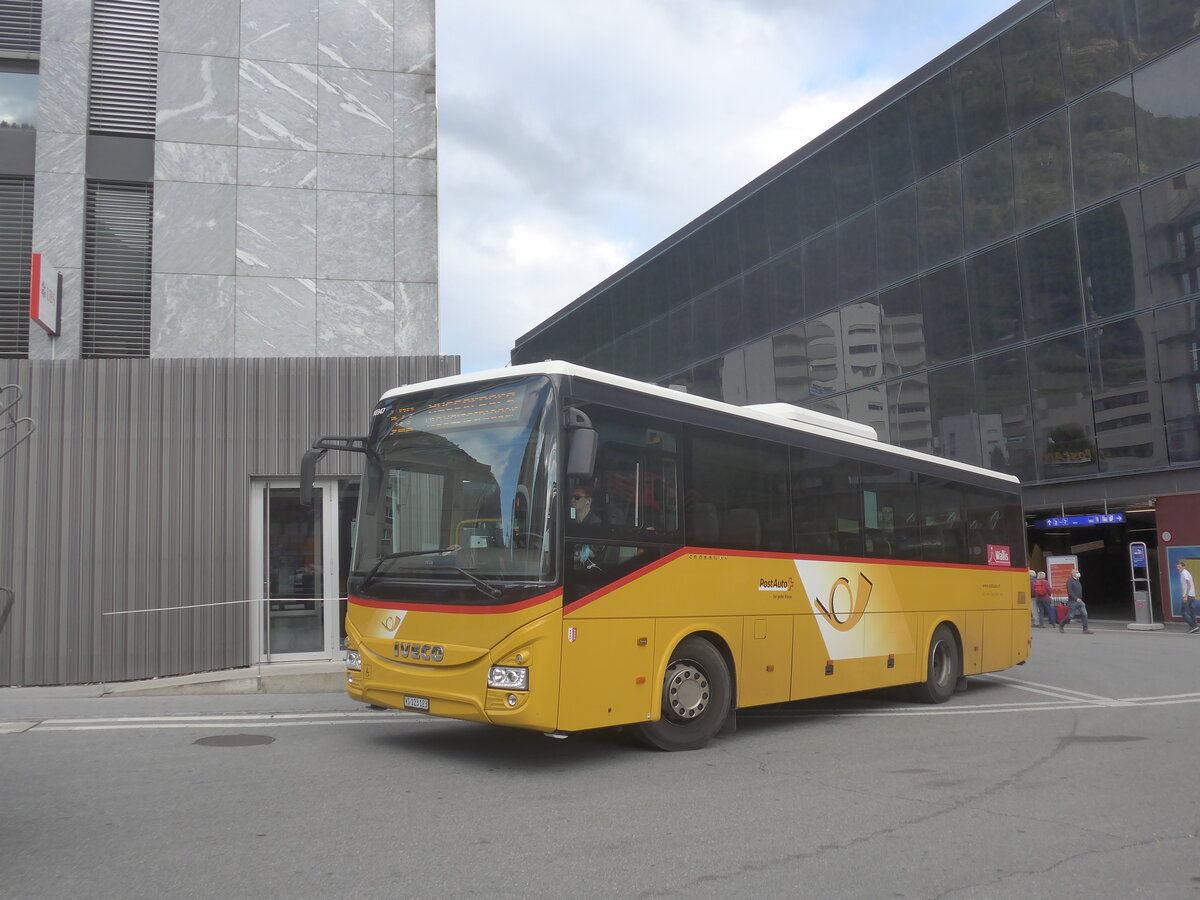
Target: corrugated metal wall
[{"x": 134, "y": 493}]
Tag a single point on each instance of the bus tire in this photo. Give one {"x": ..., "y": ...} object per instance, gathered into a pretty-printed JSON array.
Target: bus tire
[
  {"x": 943, "y": 668},
  {"x": 696, "y": 695}
]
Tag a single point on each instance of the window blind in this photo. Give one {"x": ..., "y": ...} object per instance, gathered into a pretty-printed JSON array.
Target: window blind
[
  {"x": 20, "y": 26},
  {"x": 16, "y": 242},
  {"x": 116, "y": 270},
  {"x": 124, "y": 71}
]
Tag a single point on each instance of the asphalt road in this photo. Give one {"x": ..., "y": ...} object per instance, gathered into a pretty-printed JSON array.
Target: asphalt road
[{"x": 1072, "y": 776}]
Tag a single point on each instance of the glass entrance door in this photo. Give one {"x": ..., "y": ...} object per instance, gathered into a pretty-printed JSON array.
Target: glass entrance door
[
  {"x": 294, "y": 575},
  {"x": 301, "y": 558}
]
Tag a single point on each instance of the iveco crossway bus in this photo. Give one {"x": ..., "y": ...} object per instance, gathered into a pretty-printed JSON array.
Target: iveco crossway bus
[{"x": 554, "y": 548}]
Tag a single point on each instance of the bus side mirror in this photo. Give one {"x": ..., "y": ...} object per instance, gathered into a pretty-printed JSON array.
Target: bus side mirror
[
  {"x": 308, "y": 464},
  {"x": 581, "y": 455},
  {"x": 581, "y": 460},
  {"x": 308, "y": 472}
]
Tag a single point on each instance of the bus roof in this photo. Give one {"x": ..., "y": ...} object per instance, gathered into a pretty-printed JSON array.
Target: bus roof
[{"x": 781, "y": 415}]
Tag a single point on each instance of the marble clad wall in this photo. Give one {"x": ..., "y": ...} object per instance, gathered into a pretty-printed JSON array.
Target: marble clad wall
[
  {"x": 295, "y": 179},
  {"x": 59, "y": 167}
]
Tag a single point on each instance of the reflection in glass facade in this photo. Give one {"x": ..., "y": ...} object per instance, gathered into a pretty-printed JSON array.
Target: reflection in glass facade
[
  {"x": 997, "y": 261},
  {"x": 18, "y": 99}
]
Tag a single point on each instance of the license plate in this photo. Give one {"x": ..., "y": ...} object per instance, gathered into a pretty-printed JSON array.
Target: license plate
[{"x": 421, "y": 703}]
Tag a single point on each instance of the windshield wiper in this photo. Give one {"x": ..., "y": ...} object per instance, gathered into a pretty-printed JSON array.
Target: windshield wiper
[
  {"x": 489, "y": 589},
  {"x": 444, "y": 551}
]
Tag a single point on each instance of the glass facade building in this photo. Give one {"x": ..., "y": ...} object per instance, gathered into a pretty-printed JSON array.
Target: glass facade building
[{"x": 997, "y": 261}]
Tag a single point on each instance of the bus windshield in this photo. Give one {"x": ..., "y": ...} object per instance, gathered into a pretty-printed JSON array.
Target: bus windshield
[{"x": 457, "y": 490}]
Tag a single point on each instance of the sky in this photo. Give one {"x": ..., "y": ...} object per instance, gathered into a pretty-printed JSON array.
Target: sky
[{"x": 574, "y": 135}]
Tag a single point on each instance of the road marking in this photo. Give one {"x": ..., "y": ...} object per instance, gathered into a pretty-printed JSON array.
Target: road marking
[
  {"x": 1062, "y": 699},
  {"x": 1050, "y": 690},
  {"x": 1065, "y": 699},
  {"x": 1164, "y": 697}
]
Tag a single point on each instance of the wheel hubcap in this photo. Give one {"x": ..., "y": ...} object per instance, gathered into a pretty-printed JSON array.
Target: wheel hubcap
[
  {"x": 686, "y": 691},
  {"x": 940, "y": 663}
]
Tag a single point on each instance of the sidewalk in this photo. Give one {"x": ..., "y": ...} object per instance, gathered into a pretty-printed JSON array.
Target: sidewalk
[
  {"x": 1126, "y": 626},
  {"x": 265, "y": 678}
]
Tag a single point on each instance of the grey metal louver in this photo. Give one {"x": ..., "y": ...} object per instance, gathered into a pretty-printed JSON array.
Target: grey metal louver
[
  {"x": 16, "y": 242},
  {"x": 124, "y": 72},
  {"x": 20, "y": 27},
  {"x": 116, "y": 270}
]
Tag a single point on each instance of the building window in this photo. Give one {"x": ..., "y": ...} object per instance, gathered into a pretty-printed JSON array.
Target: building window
[
  {"x": 20, "y": 39},
  {"x": 116, "y": 270},
  {"x": 124, "y": 68},
  {"x": 18, "y": 95},
  {"x": 20, "y": 26},
  {"x": 16, "y": 230}
]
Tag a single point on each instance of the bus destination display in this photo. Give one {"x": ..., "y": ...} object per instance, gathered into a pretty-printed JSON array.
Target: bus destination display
[{"x": 490, "y": 408}]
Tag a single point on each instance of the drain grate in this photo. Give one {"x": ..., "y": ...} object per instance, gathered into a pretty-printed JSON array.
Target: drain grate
[{"x": 234, "y": 740}]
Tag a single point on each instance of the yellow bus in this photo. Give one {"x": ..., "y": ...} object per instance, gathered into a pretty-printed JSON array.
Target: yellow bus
[{"x": 554, "y": 548}]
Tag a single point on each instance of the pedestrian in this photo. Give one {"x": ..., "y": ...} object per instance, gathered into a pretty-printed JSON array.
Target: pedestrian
[
  {"x": 1034, "y": 609},
  {"x": 1187, "y": 590},
  {"x": 1075, "y": 603},
  {"x": 1041, "y": 598}
]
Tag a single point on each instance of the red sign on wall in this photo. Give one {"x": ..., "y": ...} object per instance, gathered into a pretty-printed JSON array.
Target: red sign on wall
[{"x": 45, "y": 295}]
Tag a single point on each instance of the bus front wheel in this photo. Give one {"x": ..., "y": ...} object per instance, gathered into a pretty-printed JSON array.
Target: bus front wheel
[
  {"x": 696, "y": 696},
  {"x": 942, "y": 670}
]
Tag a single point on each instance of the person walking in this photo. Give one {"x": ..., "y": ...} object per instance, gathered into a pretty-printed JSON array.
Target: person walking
[
  {"x": 1187, "y": 590},
  {"x": 1075, "y": 603},
  {"x": 1035, "y": 611},
  {"x": 1041, "y": 598}
]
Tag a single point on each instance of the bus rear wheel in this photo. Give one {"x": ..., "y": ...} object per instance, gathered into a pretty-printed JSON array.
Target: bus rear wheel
[
  {"x": 943, "y": 668},
  {"x": 696, "y": 696}
]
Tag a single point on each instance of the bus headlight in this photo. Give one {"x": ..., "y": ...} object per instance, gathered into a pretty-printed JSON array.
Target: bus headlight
[
  {"x": 354, "y": 660},
  {"x": 509, "y": 678}
]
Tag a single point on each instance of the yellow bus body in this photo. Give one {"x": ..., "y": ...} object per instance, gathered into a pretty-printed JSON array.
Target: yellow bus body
[{"x": 790, "y": 628}]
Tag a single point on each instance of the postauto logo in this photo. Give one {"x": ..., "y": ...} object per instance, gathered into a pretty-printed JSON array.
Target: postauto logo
[{"x": 784, "y": 585}]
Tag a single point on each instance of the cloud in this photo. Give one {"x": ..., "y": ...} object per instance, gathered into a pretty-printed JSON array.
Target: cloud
[
  {"x": 511, "y": 275},
  {"x": 575, "y": 136}
]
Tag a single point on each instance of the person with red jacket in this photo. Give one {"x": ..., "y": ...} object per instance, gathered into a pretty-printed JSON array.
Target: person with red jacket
[{"x": 1041, "y": 596}]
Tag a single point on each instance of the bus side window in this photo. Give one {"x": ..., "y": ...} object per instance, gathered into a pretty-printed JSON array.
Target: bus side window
[
  {"x": 993, "y": 518},
  {"x": 943, "y": 530},
  {"x": 636, "y": 483},
  {"x": 746, "y": 484},
  {"x": 704, "y": 527},
  {"x": 826, "y": 504},
  {"x": 637, "y": 490},
  {"x": 619, "y": 486}
]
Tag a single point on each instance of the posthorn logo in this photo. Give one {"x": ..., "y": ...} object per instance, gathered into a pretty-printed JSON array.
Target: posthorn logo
[{"x": 845, "y": 607}]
